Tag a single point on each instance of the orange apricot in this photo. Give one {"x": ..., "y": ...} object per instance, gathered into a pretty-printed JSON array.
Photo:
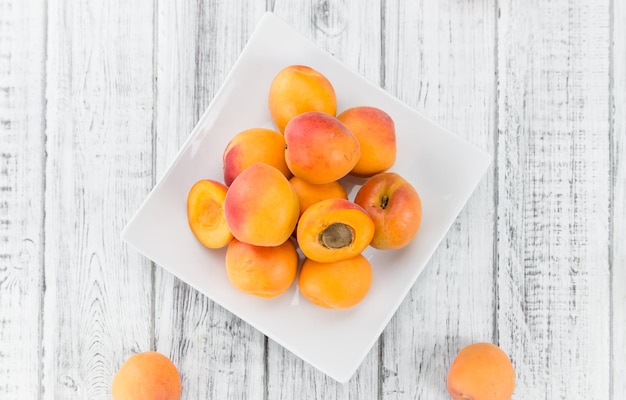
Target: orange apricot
[
  {"x": 261, "y": 207},
  {"x": 260, "y": 270},
  {"x": 340, "y": 284},
  {"x": 334, "y": 230},
  {"x": 205, "y": 213},
  {"x": 481, "y": 371},
  {"x": 254, "y": 145},
  {"x": 395, "y": 207},
  {"x": 320, "y": 148},
  {"x": 147, "y": 376},
  {"x": 297, "y": 89},
  {"x": 309, "y": 193},
  {"x": 376, "y": 133}
]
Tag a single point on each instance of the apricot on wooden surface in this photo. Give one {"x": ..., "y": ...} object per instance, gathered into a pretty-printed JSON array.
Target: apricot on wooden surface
[
  {"x": 297, "y": 89},
  {"x": 481, "y": 371},
  {"x": 376, "y": 133},
  {"x": 205, "y": 213},
  {"x": 334, "y": 230},
  {"x": 395, "y": 207},
  {"x": 261, "y": 270},
  {"x": 340, "y": 284},
  {"x": 261, "y": 206},
  {"x": 147, "y": 376},
  {"x": 254, "y": 145},
  {"x": 320, "y": 148},
  {"x": 309, "y": 193}
]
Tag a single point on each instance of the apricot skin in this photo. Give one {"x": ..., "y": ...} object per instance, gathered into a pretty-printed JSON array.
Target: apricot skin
[
  {"x": 251, "y": 146},
  {"x": 337, "y": 285},
  {"x": 297, "y": 89},
  {"x": 376, "y": 133},
  {"x": 261, "y": 207},
  {"x": 149, "y": 376},
  {"x": 309, "y": 193},
  {"x": 320, "y": 148},
  {"x": 481, "y": 371},
  {"x": 205, "y": 213},
  {"x": 333, "y": 212},
  {"x": 261, "y": 271},
  {"x": 395, "y": 207}
]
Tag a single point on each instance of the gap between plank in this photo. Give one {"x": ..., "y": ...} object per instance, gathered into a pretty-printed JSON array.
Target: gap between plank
[
  {"x": 496, "y": 174},
  {"x": 612, "y": 183},
  {"x": 44, "y": 161},
  {"x": 153, "y": 150}
]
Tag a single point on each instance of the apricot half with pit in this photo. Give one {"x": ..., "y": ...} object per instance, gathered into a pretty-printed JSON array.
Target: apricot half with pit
[
  {"x": 334, "y": 230},
  {"x": 261, "y": 207},
  {"x": 251, "y": 146},
  {"x": 261, "y": 271},
  {"x": 340, "y": 284},
  {"x": 205, "y": 213},
  {"x": 320, "y": 148}
]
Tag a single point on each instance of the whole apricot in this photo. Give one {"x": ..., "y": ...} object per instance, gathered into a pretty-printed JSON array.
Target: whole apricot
[
  {"x": 309, "y": 193},
  {"x": 376, "y": 133},
  {"x": 205, "y": 213},
  {"x": 251, "y": 146},
  {"x": 297, "y": 89},
  {"x": 340, "y": 284},
  {"x": 147, "y": 376},
  {"x": 261, "y": 206},
  {"x": 481, "y": 371},
  {"x": 334, "y": 230},
  {"x": 320, "y": 148},
  {"x": 395, "y": 207},
  {"x": 260, "y": 270}
]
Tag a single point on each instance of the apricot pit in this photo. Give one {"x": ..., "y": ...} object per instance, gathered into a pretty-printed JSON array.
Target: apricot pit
[{"x": 334, "y": 230}]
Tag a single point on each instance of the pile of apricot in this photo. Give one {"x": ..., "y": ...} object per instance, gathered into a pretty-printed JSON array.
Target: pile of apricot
[{"x": 282, "y": 191}]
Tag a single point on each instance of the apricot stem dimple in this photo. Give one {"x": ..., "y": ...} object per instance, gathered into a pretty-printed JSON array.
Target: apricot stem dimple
[
  {"x": 336, "y": 236},
  {"x": 384, "y": 201}
]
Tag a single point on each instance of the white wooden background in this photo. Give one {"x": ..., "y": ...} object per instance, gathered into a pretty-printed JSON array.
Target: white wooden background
[{"x": 96, "y": 98}]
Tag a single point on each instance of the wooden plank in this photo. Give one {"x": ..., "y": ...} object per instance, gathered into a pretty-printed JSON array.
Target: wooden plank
[
  {"x": 351, "y": 32},
  {"x": 440, "y": 59},
  {"x": 219, "y": 355},
  {"x": 97, "y": 301},
  {"x": 554, "y": 196},
  {"x": 22, "y": 43},
  {"x": 618, "y": 169}
]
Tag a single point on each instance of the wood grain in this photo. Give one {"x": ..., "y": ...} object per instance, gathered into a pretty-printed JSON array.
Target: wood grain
[
  {"x": 97, "y": 300},
  {"x": 219, "y": 355},
  {"x": 439, "y": 59},
  {"x": 618, "y": 217},
  {"x": 351, "y": 32},
  {"x": 553, "y": 196},
  {"x": 22, "y": 44}
]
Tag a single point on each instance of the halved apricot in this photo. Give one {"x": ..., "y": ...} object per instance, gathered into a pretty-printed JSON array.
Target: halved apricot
[
  {"x": 338, "y": 285},
  {"x": 334, "y": 230},
  {"x": 205, "y": 213}
]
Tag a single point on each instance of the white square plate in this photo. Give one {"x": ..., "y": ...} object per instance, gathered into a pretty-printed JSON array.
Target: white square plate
[{"x": 443, "y": 168}]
